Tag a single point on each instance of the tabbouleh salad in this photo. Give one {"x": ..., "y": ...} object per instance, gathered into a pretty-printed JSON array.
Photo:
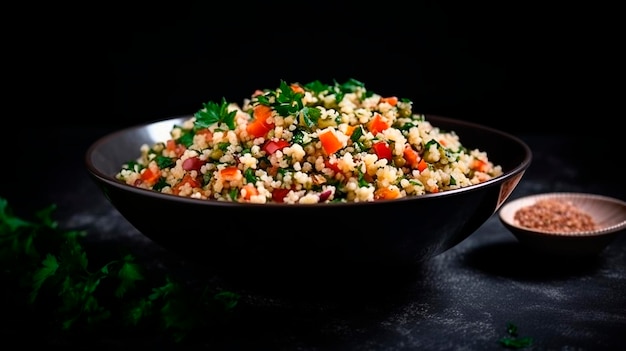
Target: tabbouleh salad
[{"x": 308, "y": 143}]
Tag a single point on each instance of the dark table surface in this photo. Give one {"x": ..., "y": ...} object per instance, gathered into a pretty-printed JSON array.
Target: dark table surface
[{"x": 462, "y": 300}]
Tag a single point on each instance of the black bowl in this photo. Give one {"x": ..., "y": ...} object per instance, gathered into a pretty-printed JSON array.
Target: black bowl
[{"x": 309, "y": 243}]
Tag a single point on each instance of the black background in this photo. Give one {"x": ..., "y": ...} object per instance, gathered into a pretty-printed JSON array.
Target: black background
[
  {"x": 526, "y": 68},
  {"x": 519, "y": 67}
]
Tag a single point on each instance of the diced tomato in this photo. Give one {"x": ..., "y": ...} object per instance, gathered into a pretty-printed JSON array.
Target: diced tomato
[
  {"x": 229, "y": 173},
  {"x": 297, "y": 89},
  {"x": 172, "y": 145},
  {"x": 333, "y": 166},
  {"x": 262, "y": 112},
  {"x": 386, "y": 194},
  {"x": 382, "y": 150},
  {"x": 271, "y": 146},
  {"x": 480, "y": 165},
  {"x": 248, "y": 191},
  {"x": 330, "y": 143},
  {"x": 257, "y": 129},
  {"x": 260, "y": 126},
  {"x": 411, "y": 156},
  {"x": 392, "y": 100},
  {"x": 377, "y": 125},
  {"x": 422, "y": 165},
  {"x": 187, "y": 179},
  {"x": 149, "y": 176},
  {"x": 279, "y": 194},
  {"x": 208, "y": 134},
  {"x": 350, "y": 129}
]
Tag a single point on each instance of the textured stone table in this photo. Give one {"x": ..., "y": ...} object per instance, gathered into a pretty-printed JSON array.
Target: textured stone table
[{"x": 461, "y": 299}]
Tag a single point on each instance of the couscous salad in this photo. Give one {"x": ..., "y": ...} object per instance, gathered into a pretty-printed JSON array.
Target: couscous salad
[{"x": 308, "y": 143}]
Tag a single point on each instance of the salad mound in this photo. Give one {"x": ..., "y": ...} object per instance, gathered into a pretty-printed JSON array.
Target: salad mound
[{"x": 308, "y": 143}]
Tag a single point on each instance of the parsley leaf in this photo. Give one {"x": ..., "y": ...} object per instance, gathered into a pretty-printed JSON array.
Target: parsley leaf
[
  {"x": 81, "y": 297},
  {"x": 129, "y": 273},
  {"x": 212, "y": 113},
  {"x": 513, "y": 341},
  {"x": 186, "y": 139},
  {"x": 250, "y": 176},
  {"x": 164, "y": 161},
  {"x": 310, "y": 116},
  {"x": 317, "y": 87},
  {"x": 288, "y": 102},
  {"x": 48, "y": 269},
  {"x": 9, "y": 221}
]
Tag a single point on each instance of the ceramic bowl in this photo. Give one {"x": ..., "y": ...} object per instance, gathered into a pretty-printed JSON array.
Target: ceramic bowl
[
  {"x": 315, "y": 242},
  {"x": 608, "y": 214}
]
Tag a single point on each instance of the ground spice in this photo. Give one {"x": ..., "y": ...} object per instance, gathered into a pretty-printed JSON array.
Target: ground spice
[{"x": 554, "y": 215}]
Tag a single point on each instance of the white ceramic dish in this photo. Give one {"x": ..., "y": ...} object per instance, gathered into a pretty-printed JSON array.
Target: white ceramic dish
[{"x": 609, "y": 215}]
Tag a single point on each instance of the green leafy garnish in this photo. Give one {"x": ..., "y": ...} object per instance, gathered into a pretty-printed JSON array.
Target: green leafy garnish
[
  {"x": 133, "y": 166},
  {"x": 288, "y": 102},
  {"x": 250, "y": 176},
  {"x": 512, "y": 340},
  {"x": 165, "y": 162},
  {"x": 50, "y": 271},
  {"x": 317, "y": 87},
  {"x": 432, "y": 142},
  {"x": 452, "y": 180},
  {"x": 350, "y": 86},
  {"x": 309, "y": 116},
  {"x": 298, "y": 136},
  {"x": 186, "y": 139},
  {"x": 160, "y": 184},
  {"x": 212, "y": 113},
  {"x": 357, "y": 133}
]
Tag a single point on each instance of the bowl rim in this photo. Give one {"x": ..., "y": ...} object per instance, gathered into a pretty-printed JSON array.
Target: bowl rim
[
  {"x": 505, "y": 214},
  {"x": 110, "y": 180}
]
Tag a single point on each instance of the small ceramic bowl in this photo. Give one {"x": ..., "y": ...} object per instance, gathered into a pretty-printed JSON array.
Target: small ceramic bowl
[{"x": 560, "y": 223}]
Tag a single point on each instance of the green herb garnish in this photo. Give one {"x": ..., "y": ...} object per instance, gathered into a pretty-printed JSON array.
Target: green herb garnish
[
  {"x": 53, "y": 278},
  {"x": 212, "y": 113},
  {"x": 512, "y": 340}
]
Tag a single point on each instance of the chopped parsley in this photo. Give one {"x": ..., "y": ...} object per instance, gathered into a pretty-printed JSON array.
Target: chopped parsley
[{"x": 212, "y": 113}]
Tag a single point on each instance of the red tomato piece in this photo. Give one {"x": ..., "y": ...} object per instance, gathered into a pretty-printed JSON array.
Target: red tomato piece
[
  {"x": 278, "y": 195},
  {"x": 271, "y": 146},
  {"x": 382, "y": 150}
]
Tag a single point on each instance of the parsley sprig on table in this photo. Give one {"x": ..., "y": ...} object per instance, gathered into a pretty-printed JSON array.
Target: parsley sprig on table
[
  {"x": 513, "y": 340},
  {"x": 50, "y": 272}
]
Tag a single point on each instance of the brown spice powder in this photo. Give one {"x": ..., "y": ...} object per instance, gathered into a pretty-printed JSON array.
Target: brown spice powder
[{"x": 554, "y": 215}]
